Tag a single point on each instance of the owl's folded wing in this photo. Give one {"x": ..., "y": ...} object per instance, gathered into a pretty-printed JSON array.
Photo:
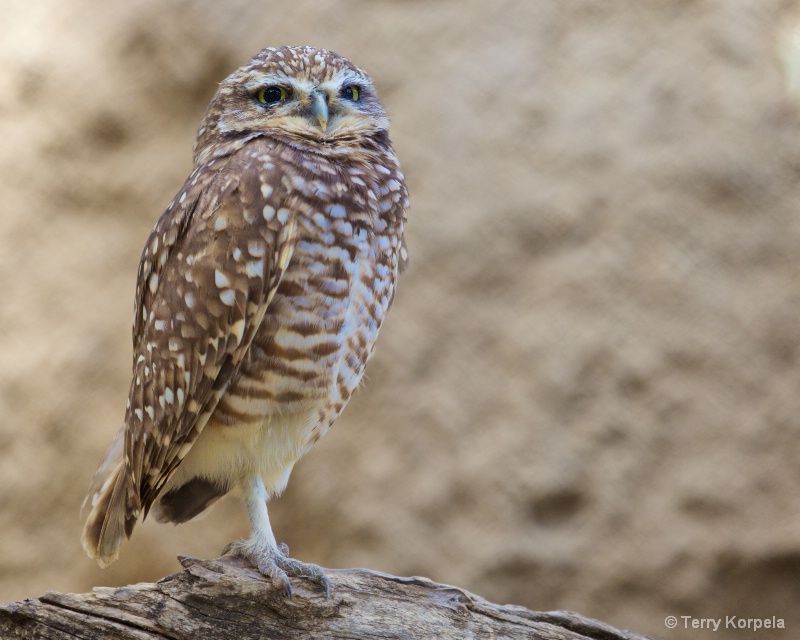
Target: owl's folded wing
[{"x": 207, "y": 274}]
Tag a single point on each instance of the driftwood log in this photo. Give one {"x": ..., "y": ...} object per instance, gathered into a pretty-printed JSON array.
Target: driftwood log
[{"x": 226, "y": 598}]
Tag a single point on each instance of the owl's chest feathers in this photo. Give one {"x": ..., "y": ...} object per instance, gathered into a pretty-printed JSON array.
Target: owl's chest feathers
[
  {"x": 325, "y": 316},
  {"x": 307, "y": 357},
  {"x": 310, "y": 351}
]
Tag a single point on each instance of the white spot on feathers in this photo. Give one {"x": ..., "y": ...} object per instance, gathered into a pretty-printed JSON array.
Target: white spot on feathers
[
  {"x": 256, "y": 249},
  {"x": 220, "y": 279},
  {"x": 228, "y": 297},
  {"x": 336, "y": 211},
  {"x": 255, "y": 269}
]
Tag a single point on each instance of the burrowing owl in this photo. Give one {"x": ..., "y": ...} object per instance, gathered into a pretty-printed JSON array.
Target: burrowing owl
[{"x": 260, "y": 294}]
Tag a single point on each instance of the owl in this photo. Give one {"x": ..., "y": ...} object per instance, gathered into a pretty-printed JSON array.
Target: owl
[{"x": 261, "y": 291}]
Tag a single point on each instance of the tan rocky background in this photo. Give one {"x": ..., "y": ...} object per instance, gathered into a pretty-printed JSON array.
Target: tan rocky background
[{"x": 587, "y": 395}]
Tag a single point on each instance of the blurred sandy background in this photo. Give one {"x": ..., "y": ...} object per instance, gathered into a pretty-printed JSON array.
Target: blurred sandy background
[{"x": 587, "y": 395}]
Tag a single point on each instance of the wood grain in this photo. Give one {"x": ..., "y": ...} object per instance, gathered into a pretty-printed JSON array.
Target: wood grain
[{"x": 225, "y": 598}]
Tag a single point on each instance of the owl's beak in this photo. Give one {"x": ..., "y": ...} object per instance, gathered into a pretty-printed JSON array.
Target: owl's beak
[{"x": 319, "y": 109}]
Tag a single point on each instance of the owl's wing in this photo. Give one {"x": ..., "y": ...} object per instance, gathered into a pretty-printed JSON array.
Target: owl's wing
[{"x": 207, "y": 275}]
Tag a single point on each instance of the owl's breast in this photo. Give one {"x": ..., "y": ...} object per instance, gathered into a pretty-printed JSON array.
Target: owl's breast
[{"x": 311, "y": 349}]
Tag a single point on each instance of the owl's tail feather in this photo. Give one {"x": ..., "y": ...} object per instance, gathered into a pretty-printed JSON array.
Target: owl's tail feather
[{"x": 109, "y": 522}]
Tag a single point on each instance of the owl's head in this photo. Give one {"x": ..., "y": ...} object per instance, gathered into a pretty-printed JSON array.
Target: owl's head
[{"x": 309, "y": 97}]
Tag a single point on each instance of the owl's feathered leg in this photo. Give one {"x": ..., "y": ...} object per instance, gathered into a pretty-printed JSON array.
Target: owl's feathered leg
[{"x": 263, "y": 551}]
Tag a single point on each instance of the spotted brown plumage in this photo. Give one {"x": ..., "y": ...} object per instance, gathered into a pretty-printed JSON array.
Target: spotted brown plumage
[{"x": 260, "y": 294}]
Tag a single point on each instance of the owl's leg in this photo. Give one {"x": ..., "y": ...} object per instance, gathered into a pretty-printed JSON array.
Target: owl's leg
[{"x": 263, "y": 551}]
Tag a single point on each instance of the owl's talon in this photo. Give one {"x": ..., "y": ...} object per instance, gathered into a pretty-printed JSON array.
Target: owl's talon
[
  {"x": 229, "y": 547},
  {"x": 274, "y": 563}
]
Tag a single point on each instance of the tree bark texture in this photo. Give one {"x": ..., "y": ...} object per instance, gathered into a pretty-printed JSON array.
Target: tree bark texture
[{"x": 226, "y": 598}]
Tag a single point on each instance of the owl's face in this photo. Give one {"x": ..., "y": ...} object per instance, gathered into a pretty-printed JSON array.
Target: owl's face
[{"x": 311, "y": 97}]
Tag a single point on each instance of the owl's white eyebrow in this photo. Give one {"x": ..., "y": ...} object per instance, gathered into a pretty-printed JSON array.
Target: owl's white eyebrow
[{"x": 258, "y": 79}]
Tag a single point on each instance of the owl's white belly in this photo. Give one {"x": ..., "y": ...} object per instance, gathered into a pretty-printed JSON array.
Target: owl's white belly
[{"x": 224, "y": 453}]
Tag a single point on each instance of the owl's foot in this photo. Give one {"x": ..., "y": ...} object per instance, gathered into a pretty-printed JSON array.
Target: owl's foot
[{"x": 275, "y": 563}]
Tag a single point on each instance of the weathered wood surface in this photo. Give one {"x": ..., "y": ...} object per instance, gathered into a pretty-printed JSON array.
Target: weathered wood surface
[{"x": 225, "y": 598}]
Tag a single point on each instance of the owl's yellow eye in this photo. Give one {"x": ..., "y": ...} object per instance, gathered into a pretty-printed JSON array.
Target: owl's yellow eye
[
  {"x": 272, "y": 95},
  {"x": 351, "y": 92}
]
